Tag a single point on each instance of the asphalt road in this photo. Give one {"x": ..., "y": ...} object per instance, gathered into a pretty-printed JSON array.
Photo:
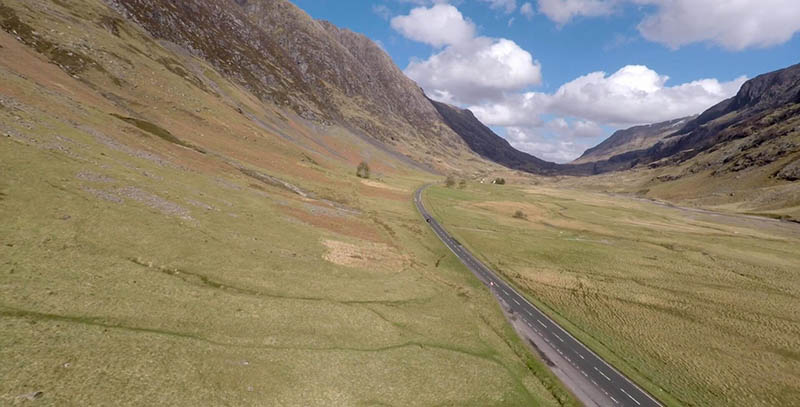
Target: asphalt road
[{"x": 618, "y": 388}]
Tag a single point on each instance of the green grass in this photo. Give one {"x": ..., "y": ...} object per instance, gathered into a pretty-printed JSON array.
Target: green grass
[
  {"x": 699, "y": 309},
  {"x": 136, "y": 272}
]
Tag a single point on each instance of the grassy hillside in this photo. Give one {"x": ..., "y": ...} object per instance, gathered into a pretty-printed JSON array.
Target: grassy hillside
[
  {"x": 699, "y": 308},
  {"x": 169, "y": 239}
]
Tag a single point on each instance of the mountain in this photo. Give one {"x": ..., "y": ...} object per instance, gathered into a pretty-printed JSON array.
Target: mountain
[
  {"x": 742, "y": 154},
  {"x": 634, "y": 138},
  {"x": 323, "y": 73},
  {"x": 758, "y": 120},
  {"x": 489, "y": 145},
  {"x": 182, "y": 223}
]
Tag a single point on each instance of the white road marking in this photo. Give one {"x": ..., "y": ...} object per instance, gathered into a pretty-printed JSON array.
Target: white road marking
[
  {"x": 559, "y": 351},
  {"x": 559, "y": 338},
  {"x": 634, "y": 400},
  {"x": 529, "y": 324},
  {"x": 595, "y": 383},
  {"x": 516, "y": 302},
  {"x": 601, "y": 372},
  {"x": 541, "y": 323},
  {"x": 445, "y": 237},
  {"x": 615, "y": 400},
  {"x": 568, "y": 359}
]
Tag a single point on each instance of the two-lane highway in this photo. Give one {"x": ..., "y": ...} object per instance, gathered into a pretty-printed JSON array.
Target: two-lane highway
[{"x": 618, "y": 389}]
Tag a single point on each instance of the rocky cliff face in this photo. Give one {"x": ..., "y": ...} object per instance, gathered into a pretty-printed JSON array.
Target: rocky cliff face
[
  {"x": 756, "y": 127},
  {"x": 324, "y": 73},
  {"x": 489, "y": 145},
  {"x": 634, "y": 138}
]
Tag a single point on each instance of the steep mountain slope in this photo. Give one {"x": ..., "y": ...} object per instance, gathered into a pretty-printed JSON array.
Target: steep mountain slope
[
  {"x": 634, "y": 138},
  {"x": 324, "y": 73},
  {"x": 179, "y": 230},
  {"x": 763, "y": 111},
  {"x": 489, "y": 145},
  {"x": 742, "y": 154}
]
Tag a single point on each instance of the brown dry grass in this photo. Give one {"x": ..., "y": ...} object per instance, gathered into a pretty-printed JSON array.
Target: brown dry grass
[
  {"x": 701, "y": 305},
  {"x": 366, "y": 256}
]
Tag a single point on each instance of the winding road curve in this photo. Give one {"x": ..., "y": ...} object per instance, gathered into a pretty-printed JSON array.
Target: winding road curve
[{"x": 571, "y": 356}]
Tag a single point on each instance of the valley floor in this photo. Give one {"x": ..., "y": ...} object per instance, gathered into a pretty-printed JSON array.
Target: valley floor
[{"x": 698, "y": 308}]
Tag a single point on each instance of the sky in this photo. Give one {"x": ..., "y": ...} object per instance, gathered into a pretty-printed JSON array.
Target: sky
[{"x": 555, "y": 77}]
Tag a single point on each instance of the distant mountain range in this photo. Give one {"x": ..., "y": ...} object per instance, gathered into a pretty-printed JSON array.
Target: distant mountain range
[
  {"x": 328, "y": 74},
  {"x": 631, "y": 139},
  {"x": 760, "y": 120}
]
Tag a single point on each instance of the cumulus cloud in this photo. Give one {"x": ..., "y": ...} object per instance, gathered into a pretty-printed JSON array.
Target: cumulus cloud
[
  {"x": 469, "y": 69},
  {"x": 578, "y": 129},
  {"x": 515, "y": 110},
  {"x": 438, "y": 26},
  {"x": 534, "y": 141},
  {"x": 562, "y": 11},
  {"x": 492, "y": 76},
  {"x": 480, "y": 69},
  {"x": 635, "y": 94},
  {"x": 506, "y": 5},
  {"x": 735, "y": 25}
]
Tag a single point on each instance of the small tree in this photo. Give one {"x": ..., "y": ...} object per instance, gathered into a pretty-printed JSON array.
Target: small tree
[
  {"x": 462, "y": 184},
  {"x": 520, "y": 215},
  {"x": 449, "y": 181},
  {"x": 500, "y": 181},
  {"x": 363, "y": 170}
]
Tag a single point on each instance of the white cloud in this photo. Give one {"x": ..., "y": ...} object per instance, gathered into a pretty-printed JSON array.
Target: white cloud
[
  {"x": 735, "y": 25},
  {"x": 633, "y": 95},
  {"x": 506, "y": 5},
  {"x": 469, "y": 69},
  {"x": 438, "y": 26},
  {"x": 562, "y": 11},
  {"x": 578, "y": 129},
  {"x": 732, "y": 24},
  {"x": 636, "y": 94},
  {"x": 527, "y": 10},
  {"x": 477, "y": 70},
  {"x": 551, "y": 148},
  {"x": 515, "y": 110}
]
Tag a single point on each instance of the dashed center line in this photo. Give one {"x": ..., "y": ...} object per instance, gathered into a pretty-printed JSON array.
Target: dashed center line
[
  {"x": 485, "y": 274},
  {"x": 601, "y": 372},
  {"x": 634, "y": 400}
]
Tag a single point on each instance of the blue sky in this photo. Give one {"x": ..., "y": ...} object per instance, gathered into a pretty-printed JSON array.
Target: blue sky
[{"x": 566, "y": 73}]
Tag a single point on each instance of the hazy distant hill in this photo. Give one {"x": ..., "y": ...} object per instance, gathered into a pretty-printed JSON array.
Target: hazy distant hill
[{"x": 634, "y": 138}]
